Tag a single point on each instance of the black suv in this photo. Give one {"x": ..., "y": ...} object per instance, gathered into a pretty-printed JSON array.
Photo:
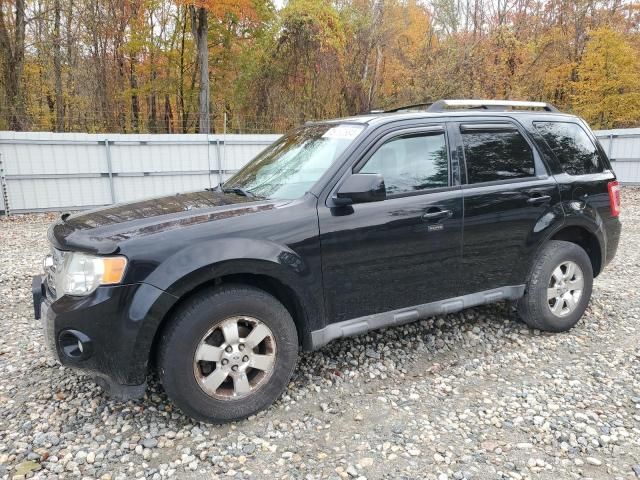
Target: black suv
[{"x": 337, "y": 228}]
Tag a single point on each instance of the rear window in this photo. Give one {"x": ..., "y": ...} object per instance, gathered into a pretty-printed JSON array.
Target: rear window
[
  {"x": 572, "y": 147},
  {"x": 496, "y": 154}
]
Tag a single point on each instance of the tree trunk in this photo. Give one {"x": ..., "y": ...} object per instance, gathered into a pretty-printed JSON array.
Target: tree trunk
[
  {"x": 135, "y": 102},
  {"x": 168, "y": 115},
  {"x": 12, "y": 51},
  {"x": 184, "y": 114},
  {"x": 374, "y": 80},
  {"x": 200, "y": 32},
  {"x": 152, "y": 99},
  {"x": 153, "y": 111},
  {"x": 71, "y": 61},
  {"x": 99, "y": 58},
  {"x": 57, "y": 67},
  {"x": 152, "y": 104}
]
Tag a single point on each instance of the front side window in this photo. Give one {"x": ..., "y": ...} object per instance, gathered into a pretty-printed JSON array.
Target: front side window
[
  {"x": 572, "y": 147},
  {"x": 496, "y": 154},
  {"x": 411, "y": 163},
  {"x": 289, "y": 167}
]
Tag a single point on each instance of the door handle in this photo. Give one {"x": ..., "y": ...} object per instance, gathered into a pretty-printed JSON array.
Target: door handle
[
  {"x": 537, "y": 200},
  {"x": 436, "y": 215}
]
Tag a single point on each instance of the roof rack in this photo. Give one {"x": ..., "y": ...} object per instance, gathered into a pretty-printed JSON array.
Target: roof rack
[{"x": 441, "y": 105}]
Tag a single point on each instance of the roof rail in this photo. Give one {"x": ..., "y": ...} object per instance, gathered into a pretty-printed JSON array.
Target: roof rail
[
  {"x": 440, "y": 105},
  {"x": 415, "y": 106}
]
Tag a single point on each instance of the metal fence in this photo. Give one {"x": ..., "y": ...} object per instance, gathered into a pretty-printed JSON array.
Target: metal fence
[
  {"x": 70, "y": 171},
  {"x": 59, "y": 171},
  {"x": 623, "y": 149}
]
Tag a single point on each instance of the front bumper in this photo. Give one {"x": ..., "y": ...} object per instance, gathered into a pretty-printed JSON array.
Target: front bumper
[{"x": 108, "y": 333}]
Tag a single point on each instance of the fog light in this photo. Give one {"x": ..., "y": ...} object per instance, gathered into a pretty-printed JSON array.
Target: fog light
[{"x": 75, "y": 345}]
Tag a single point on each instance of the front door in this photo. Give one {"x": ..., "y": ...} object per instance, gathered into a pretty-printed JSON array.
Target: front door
[{"x": 405, "y": 250}]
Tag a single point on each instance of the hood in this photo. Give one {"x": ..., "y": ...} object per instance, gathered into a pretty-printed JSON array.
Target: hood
[{"x": 101, "y": 230}]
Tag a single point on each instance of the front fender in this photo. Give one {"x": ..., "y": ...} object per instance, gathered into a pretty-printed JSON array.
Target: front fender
[{"x": 201, "y": 263}]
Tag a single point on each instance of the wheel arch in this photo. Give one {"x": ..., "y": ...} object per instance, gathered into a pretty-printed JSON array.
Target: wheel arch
[
  {"x": 586, "y": 240},
  {"x": 274, "y": 268},
  {"x": 292, "y": 299}
]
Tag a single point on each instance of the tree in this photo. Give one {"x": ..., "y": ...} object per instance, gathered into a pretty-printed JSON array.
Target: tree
[
  {"x": 190, "y": 65},
  {"x": 607, "y": 92},
  {"x": 406, "y": 39},
  {"x": 302, "y": 74},
  {"x": 222, "y": 14},
  {"x": 57, "y": 67},
  {"x": 12, "y": 51},
  {"x": 200, "y": 30},
  {"x": 362, "y": 21}
]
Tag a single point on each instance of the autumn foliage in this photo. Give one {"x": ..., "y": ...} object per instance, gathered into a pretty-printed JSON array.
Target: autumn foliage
[{"x": 132, "y": 65}]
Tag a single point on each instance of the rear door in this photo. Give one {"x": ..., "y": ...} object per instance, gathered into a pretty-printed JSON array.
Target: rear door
[{"x": 509, "y": 200}]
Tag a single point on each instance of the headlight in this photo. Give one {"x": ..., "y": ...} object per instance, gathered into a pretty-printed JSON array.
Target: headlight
[{"x": 82, "y": 274}]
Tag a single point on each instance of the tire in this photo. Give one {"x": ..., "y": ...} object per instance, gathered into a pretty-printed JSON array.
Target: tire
[
  {"x": 197, "y": 327},
  {"x": 546, "y": 294}
]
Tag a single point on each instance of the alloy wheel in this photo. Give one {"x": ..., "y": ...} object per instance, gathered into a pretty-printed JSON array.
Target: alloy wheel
[
  {"x": 565, "y": 288},
  {"x": 235, "y": 358}
]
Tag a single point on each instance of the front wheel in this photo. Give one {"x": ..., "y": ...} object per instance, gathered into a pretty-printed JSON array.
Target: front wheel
[
  {"x": 228, "y": 353},
  {"x": 559, "y": 287}
]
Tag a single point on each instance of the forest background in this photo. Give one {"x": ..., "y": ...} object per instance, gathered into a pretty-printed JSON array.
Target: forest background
[{"x": 255, "y": 66}]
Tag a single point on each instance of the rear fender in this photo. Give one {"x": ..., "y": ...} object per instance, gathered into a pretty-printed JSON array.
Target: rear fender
[
  {"x": 573, "y": 221},
  {"x": 586, "y": 215}
]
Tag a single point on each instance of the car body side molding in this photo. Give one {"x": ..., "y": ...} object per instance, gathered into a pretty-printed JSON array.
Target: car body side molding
[{"x": 356, "y": 326}]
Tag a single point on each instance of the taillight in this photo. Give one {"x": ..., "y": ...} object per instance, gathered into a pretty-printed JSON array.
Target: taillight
[{"x": 614, "y": 198}]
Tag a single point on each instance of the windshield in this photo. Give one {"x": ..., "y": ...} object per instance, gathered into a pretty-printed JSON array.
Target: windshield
[{"x": 289, "y": 167}]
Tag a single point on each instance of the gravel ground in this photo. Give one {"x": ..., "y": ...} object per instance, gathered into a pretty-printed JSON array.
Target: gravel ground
[{"x": 474, "y": 395}]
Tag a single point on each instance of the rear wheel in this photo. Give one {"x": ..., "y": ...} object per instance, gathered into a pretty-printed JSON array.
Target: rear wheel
[
  {"x": 228, "y": 353},
  {"x": 559, "y": 288}
]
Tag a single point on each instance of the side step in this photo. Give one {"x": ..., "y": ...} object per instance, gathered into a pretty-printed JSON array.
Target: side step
[{"x": 401, "y": 316}]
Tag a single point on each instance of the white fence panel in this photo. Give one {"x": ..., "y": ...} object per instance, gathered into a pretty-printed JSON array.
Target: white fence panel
[
  {"x": 623, "y": 149},
  {"x": 152, "y": 165},
  {"x": 51, "y": 193},
  {"x": 58, "y": 171},
  {"x": 44, "y": 171}
]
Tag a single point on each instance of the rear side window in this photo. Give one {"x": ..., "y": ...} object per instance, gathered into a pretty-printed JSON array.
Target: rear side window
[
  {"x": 496, "y": 154},
  {"x": 572, "y": 147}
]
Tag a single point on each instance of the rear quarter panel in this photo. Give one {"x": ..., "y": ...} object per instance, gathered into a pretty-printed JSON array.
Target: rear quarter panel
[{"x": 585, "y": 198}]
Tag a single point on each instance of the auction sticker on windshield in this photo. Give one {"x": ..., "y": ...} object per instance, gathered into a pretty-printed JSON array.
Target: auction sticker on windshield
[{"x": 343, "y": 131}]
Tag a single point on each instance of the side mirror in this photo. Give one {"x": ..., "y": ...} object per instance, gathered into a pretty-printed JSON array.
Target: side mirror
[{"x": 361, "y": 188}]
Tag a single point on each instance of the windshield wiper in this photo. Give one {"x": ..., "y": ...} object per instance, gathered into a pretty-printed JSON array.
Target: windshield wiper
[{"x": 238, "y": 191}]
